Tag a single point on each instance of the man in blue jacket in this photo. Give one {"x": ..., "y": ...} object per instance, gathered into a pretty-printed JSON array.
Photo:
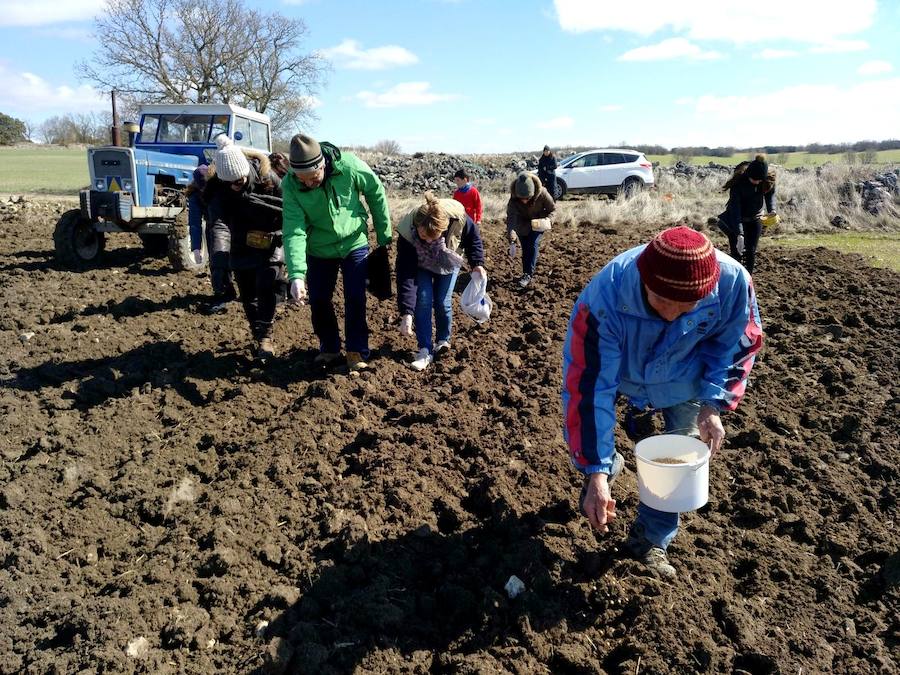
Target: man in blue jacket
[{"x": 672, "y": 326}]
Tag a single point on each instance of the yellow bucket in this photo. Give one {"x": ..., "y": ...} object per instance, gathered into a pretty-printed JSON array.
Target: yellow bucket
[{"x": 770, "y": 220}]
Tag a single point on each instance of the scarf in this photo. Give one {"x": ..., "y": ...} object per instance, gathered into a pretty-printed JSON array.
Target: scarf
[{"x": 435, "y": 256}]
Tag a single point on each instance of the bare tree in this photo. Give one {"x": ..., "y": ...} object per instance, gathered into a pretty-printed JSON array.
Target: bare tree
[{"x": 205, "y": 51}]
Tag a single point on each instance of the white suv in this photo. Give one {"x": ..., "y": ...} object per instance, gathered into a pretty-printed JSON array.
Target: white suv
[{"x": 609, "y": 171}]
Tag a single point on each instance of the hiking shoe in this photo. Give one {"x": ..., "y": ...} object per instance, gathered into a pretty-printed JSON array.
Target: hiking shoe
[
  {"x": 266, "y": 349},
  {"x": 356, "y": 362},
  {"x": 217, "y": 306},
  {"x": 653, "y": 557},
  {"x": 442, "y": 346},
  {"x": 422, "y": 361},
  {"x": 524, "y": 280},
  {"x": 326, "y": 359}
]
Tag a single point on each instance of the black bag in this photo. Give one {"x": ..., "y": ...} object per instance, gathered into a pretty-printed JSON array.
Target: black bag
[{"x": 379, "y": 282}]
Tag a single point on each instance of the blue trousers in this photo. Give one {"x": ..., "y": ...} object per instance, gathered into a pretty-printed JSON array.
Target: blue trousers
[
  {"x": 530, "y": 246},
  {"x": 321, "y": 279},
  {"x": 434, "y": 292},
  {"x": 660, "y": 527},
  {"x": 195, "y": 220}
]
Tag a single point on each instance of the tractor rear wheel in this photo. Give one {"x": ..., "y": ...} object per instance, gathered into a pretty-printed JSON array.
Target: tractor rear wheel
[
  {"x": 181, "y": 255},
  {"x": 76, "y": 241},
  {"x": 155, "y": 245}
]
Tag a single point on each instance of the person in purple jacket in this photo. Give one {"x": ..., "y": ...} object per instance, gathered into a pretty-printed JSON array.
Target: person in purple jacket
[
  {"x": 428, "y": 262},
  {"x": 672, "y": 326}
]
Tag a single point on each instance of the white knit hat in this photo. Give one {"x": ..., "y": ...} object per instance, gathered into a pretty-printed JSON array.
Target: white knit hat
[{"x": 231, "y": 163}]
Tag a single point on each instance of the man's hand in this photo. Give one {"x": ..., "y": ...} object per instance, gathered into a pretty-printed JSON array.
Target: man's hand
[
  {"x": 298, "y": 291},
  {"x": 198, "y": 256},
  {"x": 711, "y": 430},
  {"x": 479, "y": 270},
  {"x": 598, "y": 506},
  {"x": 406, "y": 325}
]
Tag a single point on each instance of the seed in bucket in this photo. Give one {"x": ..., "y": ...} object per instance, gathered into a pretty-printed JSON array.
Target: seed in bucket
[{"x": 669, "y": 460}]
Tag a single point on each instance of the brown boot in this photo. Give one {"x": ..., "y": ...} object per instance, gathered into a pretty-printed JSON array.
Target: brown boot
[
  {"x": 266, "y": 349},
  {"x": 355, "y": 362}
]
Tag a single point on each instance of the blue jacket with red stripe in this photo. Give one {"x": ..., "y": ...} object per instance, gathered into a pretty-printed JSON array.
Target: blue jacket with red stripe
[{"x": 617, "y": 344}]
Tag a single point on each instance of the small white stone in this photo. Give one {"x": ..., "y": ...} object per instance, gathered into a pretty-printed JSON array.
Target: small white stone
[
  {"x": 26, "y": 336},
  {"x": 138, "y": 648},
  {"x": 261, "y": 628},
  {"x": 514, "y": 586}
]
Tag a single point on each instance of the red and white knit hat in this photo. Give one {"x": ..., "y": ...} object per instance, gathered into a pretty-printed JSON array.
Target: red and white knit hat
[{"x": 679, "y": 264}]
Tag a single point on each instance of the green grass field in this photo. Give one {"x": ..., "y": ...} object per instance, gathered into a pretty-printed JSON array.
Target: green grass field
[
  {"x": 882, "y": 250},
  {"x": 38, "y": 170}
]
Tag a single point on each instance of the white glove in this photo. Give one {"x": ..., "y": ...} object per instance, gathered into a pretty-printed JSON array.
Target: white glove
[
  {"x": 406, "y": 326},
  {"x": 198, "y": 256},
  {"x": 298, "y": 291},
  {"x": 512, "y": 249}
]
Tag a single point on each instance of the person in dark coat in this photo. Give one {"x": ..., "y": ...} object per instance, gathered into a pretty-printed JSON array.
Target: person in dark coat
[
  {"x": 428, "y": 262},
  {"x": 219, "y": 272},
  {"x": 547, "y": 170},
  {"x": 244, "y": 197},
  {"x": 748, "y": 191},
  {"x": 528, "y": 215}
]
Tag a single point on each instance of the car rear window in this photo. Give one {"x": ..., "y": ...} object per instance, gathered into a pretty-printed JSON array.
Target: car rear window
[
  {"x": 630, "y": 158},
  {"x": 613, "y": 158}
]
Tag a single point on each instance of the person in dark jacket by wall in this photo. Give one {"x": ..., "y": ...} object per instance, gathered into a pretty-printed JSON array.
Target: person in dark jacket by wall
[
  {"x": 244, "y": 197},
  {"x": 527, "y": 218},
  {"x": 428, "y": 262},
  {"x": 547, "y": 170},
  {"x": 748, "y": 191}
]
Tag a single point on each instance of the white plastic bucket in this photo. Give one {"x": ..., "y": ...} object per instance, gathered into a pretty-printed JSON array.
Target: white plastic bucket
[{"x": 673, "y": 488}]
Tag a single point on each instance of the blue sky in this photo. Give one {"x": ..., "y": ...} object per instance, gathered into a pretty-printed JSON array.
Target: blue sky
[{"x": 491, "y": 76}]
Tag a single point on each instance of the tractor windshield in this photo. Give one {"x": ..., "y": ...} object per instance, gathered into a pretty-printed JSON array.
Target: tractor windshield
[{"x": 182, "y": 129}]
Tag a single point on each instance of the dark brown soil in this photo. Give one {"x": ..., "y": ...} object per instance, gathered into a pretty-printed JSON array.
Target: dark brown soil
[{"x": 155, "y": 485}]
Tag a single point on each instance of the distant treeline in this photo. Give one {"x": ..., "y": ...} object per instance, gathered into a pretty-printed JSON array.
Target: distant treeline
[{"x": 728, "y": 151}]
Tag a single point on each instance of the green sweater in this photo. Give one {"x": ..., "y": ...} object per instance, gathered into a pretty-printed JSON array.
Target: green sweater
[{"x": 330, "y": 221}]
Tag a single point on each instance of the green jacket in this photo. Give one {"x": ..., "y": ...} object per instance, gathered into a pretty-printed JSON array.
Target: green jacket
[{"x": 330, "y": 221}]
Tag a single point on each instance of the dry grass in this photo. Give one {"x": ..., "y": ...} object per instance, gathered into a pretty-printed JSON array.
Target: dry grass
[{"x": 806, "y": 201}]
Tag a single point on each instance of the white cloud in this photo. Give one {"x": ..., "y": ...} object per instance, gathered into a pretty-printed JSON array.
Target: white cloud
[
  {"x": 875, "y": 68},
  {"x": 42, "y": 12},
  {"x": 673, "y": 48},
  {"x": 350, "y": 54},
  {"x": 564, "y": 122},
  {"x": 404, "y": 94},
  {"x": 27, "y": 94},
  {"x": 771, "y": 54},
  {"x": 810, "y": 21},
  {"x": 840, "y": 47},
  {"x": 612, "y": 107},
  {"x": 799, "y": 114}
]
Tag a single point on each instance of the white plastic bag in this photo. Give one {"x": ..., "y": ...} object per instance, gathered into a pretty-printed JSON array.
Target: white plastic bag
[{"x": 475, "y": 301}]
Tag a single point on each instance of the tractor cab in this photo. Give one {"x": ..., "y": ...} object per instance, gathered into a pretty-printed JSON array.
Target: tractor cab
[{"x": 140, "y": 188}]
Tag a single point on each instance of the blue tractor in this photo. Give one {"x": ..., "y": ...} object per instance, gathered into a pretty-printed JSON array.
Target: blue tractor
[{"x": 141, "y": 188}]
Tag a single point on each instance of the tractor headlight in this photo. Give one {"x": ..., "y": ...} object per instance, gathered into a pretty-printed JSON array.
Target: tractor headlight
[
  {"x": 127, "y": 185},
  {"x": 100, "y": 184}
]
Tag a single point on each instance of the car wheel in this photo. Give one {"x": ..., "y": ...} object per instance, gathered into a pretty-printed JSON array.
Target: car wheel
[
  {"x": 631, "y": 187},
  {"x": 561, "y": 189}
]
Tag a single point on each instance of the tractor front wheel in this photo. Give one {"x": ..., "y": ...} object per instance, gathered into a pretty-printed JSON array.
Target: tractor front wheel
[{"x": 77, "y": 243}]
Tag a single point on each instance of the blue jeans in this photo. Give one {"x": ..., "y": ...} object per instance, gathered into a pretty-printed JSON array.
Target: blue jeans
[
  {"x": 659, "y": 527},
  {"x": 530, "y": 246},
  {"x": 434, "y": 291},
  {"x": 195, "y": 220},
  {"x": 321, "y": 279}
]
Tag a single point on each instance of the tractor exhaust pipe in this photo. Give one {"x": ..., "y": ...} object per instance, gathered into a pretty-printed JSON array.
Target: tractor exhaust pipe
[{"x": 115, "y": 132}]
